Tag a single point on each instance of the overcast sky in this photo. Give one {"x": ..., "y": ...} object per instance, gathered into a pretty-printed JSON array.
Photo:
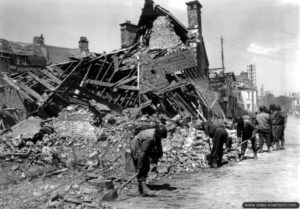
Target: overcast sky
[{"x": 260, "y": 32}]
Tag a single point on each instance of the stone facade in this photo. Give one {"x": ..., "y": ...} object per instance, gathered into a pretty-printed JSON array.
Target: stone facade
[{"x": 163, "y": 35}]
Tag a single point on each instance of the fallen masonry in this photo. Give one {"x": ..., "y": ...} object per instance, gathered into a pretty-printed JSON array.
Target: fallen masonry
[{"x": 96, "y": 153}]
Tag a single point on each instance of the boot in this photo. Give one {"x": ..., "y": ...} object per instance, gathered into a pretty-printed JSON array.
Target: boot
[
  {"x": 273, "y": 145},
  {"x": 282, "y": 145},
  {"x": 260, "y": 149},
  {"x": 269, "y": 149},
  {"x": 276, "y": 146},
  {"x": 242, "y": 157},
  {"x": 255, "y": 155},
  {"x": 146, "y": 192},
  {"x": 140, "y": 189}
]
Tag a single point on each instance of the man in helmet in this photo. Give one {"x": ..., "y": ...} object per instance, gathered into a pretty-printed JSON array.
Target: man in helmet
[
  {"x": 219, "y": 138},
  {"x": 146, "y": 145}
]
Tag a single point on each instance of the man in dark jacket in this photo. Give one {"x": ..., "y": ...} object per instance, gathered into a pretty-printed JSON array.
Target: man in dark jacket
[
  {"x": 219, "y": 137},
  {"x": 146, "y": 145},
  {"x": 271, "y": 109},
  {"x": 246, "y": 130},
  {"x": 278, "y": 121},
  {"x": 263, "y": 128}
]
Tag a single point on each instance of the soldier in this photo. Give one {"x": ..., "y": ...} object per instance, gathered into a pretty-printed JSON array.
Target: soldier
[
  {"x": 146, "y": 145},
  {"x": 219, "y": 138},
  {"x": 246, "y": 130},
  {"x": 278, "y": 121},
  {"x": 263, "y": 128},
  {"x": 270, "y": 111}
]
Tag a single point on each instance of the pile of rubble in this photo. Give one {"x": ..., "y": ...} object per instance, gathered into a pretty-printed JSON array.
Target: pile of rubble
[
  {"x": 72, "y": 136},
  {"x": 72, "y": 142}
]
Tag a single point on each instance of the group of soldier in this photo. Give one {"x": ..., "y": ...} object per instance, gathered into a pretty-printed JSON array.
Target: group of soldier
[{"x": 268, "y": 124}]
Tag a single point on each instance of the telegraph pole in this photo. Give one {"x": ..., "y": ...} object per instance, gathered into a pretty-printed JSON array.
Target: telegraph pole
[
  {"x": 222, "y": 54},
  {"x": 251, "y": 71}
]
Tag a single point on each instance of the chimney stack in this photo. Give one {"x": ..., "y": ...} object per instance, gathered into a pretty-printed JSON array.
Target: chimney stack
[
  {"x": 128, "y": 34},
  {"x": 194, "y": 15},
  {"x": 39, "y": 40},
  {"x": 83, "y": 44}
]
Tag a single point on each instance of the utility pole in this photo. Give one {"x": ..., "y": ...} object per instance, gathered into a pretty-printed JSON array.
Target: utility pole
[
  {"x": 222, "y": 54},
  {"x": 262, "y": 95},
  {"x": 251, "y": 72}
]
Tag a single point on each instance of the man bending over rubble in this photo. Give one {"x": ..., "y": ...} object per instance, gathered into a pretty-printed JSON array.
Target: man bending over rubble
[
  {"x": 246, "y": 130},
  {"x": 146, "y": 145},
  {"x": 219, "y": 138}
]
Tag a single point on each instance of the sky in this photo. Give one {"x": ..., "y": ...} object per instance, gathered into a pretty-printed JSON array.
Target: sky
[{"x": 265, "y": 33}]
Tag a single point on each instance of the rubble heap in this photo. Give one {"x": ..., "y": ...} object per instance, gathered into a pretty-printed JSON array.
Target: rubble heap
[
  {"x": 73, "y": 131},
  {"x": 71, "y": 141}
]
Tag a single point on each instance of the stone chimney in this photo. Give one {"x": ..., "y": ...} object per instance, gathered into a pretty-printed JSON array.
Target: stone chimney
[
  {"x": 83, "y": 44},
  {"x": 39, "y": 40},
  {"x": 194, "y": 15},
  {"x": 128, "y": 34}
]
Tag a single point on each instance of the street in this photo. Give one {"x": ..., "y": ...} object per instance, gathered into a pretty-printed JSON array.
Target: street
[{"x": 274, "y": 177}]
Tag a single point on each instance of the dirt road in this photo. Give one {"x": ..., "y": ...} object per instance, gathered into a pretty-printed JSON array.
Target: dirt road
[{"x": 274, "y": 177}]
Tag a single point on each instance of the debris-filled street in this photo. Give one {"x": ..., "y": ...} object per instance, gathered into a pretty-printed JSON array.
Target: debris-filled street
[
  {"x": 148, "y": 123},
  {"x": 232, "y": 184}
]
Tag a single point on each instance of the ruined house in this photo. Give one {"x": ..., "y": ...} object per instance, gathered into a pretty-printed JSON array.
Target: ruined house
[
  {"x": 19, "y": 56},
  {"x": 162, "y": 66},
  {"x": 230, "y": 100}
]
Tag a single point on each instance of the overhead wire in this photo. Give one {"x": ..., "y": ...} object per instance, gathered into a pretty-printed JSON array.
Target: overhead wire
[
  {"x": 243, "y": 47},
  {"x": 246, "y": 49}
]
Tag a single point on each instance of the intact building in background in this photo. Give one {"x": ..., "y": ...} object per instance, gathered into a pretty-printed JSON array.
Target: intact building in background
[
  {"x": 295, "y": 110},
  {"x": 18, "y": 56},
  {"x": 244, "y": 86}
]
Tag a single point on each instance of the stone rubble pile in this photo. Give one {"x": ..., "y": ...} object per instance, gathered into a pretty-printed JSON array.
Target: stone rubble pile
[
  {"x": 55, "y": 141},
  {"x": 71, "y": 142}
]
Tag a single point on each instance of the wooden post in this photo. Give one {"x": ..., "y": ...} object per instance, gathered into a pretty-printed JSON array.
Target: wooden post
[{"x": 138, "y": 80}]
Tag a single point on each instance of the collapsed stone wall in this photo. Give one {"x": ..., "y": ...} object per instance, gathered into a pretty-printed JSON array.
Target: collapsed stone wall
[{"x": 163, "y": 35}]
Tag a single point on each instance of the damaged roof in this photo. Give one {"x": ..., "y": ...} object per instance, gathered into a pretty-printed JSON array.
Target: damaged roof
[{"x": 151, "y": 11}]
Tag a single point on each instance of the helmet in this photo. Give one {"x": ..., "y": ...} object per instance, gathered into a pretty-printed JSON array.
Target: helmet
[
  {"x": 161, "y": 131},
  {"x": 278, "y": 107},
  {"x": 262, "y": 108},
  {"x": 272, "y": 106}
]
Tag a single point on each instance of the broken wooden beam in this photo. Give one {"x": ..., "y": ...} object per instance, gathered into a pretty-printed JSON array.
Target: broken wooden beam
[
  {"x": 18, "y": 154},
  {"x": 125, "y": 81},
  {"x": 126, "y": 87},
  {"x": 16, "y": 87},
  {"x": 99, "y": 83},
  {"x": 51, "y": 76},
  {"x": 43, "y": 82}
]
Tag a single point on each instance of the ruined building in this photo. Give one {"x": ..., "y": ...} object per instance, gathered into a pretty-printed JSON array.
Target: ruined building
[
  {"x": 18, "y": 56},
  {"x": 162, "y": 66}
]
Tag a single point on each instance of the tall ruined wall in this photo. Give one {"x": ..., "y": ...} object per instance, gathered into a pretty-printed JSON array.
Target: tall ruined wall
[
  {"x": 153, "y": 71},
  {"x": 163, "y": 35}
]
